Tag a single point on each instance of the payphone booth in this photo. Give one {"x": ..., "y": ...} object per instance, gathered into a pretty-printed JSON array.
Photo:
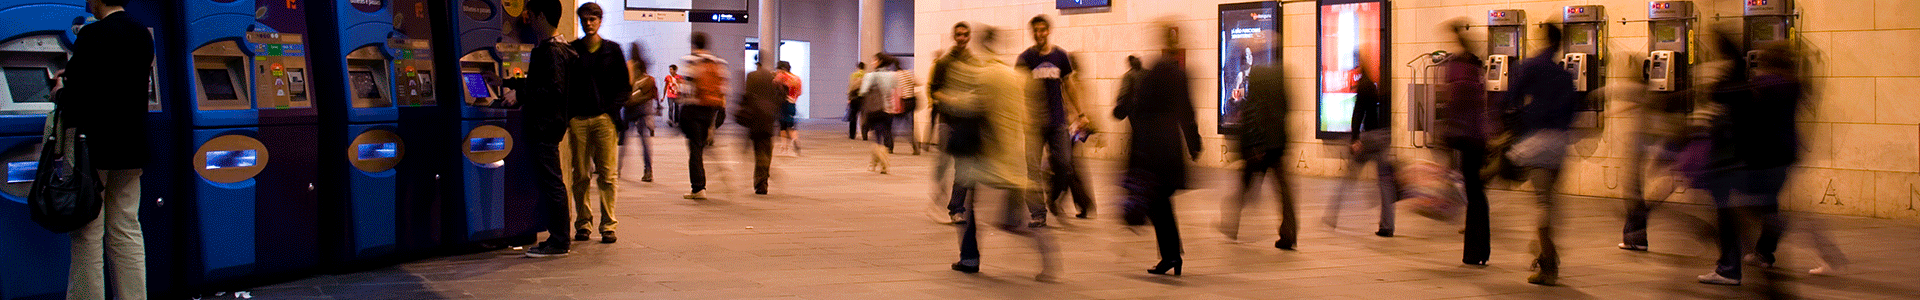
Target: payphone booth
[
  {"x": 1506, "y": 47},
  {"x": 252, "y": 204},
  {"x": 1767, "y": 23},
  {"x": 362, "y": 149},
  {"x": 1670, "y": 49},
  {"x": 33, "y": 46},
  {"x": 1585, "y": 48},
  {"x": 483, "y": 206}
]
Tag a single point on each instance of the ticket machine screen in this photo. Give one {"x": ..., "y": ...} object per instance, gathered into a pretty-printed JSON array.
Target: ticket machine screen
[
  {"x": 21, "y": 171},
  {"x": 378, "y": 150},
  {"x": 231, "y": 159},
  {"x": 363, "y": 85},
  {"x": 476, "y": 85},
  {"x": 487, "y": 144},
  {"x": 29, "y": 84},
  {"x": 217, "y": 84}
]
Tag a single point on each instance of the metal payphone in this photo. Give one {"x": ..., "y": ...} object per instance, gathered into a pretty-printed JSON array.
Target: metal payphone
[
  {"x": 1506, "y": 46},
  {"x": 1585, "y": 57},
  {"x": 1768, "y": 23},
  {"x": 1669, "y": 46}
]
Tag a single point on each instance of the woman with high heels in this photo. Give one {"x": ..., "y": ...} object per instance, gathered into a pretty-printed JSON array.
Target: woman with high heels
[
  {"x": 1164, "y": 131},
  {"x": 986, "y": 98}
]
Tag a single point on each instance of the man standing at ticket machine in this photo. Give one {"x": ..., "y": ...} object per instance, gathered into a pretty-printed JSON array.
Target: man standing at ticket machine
[
  {"x": 108, "y": 103},
  {"x": 543, "y": 110}
]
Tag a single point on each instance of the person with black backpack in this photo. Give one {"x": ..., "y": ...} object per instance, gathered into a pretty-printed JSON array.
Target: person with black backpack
[{"x": 107, "y": 102}]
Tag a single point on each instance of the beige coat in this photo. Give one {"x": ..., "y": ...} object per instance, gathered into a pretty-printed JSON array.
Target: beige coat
[{"x": 1007, "y": 159}]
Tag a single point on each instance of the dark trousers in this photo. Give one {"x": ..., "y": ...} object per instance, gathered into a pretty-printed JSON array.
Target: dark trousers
[
  {"x": 1166, "y": 231},
  {"x": 551, "y": 187},
  {"x": 637, "y": 118},
  {"x": 1066, "y": 172},
  {"x": 1471, "y": 154},
  {"x": 1010, "y": 220},
  {"x": 1762, "y": 206},
  {"x": 1266, "y": 164},
  {"x": 880, "y": 126},
  {"x": 853, "y": 118},
  {"x": 762, "y": 157},
  {"x": 696, "y": 122}
]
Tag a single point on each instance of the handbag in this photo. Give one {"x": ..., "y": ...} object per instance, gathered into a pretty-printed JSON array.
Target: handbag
[
  {"x": 1545, "y": 148},
  {"x": 66, "y": 192}
]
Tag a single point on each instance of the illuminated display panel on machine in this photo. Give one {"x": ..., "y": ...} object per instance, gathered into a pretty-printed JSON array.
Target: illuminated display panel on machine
[
  {"x": 379, "y": 150},
  {"x": 487, "y": 144},
  {"x": 231, "y": 159}
]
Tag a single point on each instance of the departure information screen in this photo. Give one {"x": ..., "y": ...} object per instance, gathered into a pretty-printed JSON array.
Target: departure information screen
[
  {"x": 476, "y": 85},
  {"x": 231, "y": 159},
  {"x": 378, "y": 150},
  {"x": 487, "y": 144},
  {"x": 21, "y": 171}
]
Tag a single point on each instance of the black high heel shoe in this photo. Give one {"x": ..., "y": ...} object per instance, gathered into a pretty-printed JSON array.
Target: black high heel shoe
[{"x": 1161, "y": 269}]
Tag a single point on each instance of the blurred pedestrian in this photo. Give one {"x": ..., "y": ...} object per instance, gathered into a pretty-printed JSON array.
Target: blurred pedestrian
[
  {"x": 671, "y": 90},
  {"x": 1464, "y": 126},
  {"x": 791, "y": 110},
  {"x": 1053, "y": 68},
  {"x": 637, "y": 114},
  {"x": 1756, "y": 141},
  {"x": 902, "y": 112},
  {"x": 990, "y": 92},
  {"x": 701, "y": 112},
  {"x": 951, "y": 122},
  {"x": 878, "y": 98},
  {"x": 1163, "y": 139},
  {"x": 854, "y": 102},
  {"x": 1263, "y": 145},
  {"x": 1372, "y": 131},
  {"x": 761, "y": 108},
  {"x": 1549, "y": 100}
]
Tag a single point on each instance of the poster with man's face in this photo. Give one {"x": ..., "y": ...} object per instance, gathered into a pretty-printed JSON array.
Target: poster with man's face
[
  {"x": 1351, "y": 35},
  {"x": 1247, "y": 39}
]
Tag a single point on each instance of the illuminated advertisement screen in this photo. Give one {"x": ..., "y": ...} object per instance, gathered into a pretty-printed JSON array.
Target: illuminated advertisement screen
[
  {"x": 1353, "y": 40},
  {"x": 1248, "y": 35},
  {"x": 1066, "y": 4}
]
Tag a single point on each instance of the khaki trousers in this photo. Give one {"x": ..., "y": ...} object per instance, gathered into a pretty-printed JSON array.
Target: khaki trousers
[
  {"x": 595, "y": 152},
  {"x": 119, "y": 225}
]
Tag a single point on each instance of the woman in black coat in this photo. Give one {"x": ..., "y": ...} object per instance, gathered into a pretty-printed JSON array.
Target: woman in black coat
[{"x": 1164, "y": 136}]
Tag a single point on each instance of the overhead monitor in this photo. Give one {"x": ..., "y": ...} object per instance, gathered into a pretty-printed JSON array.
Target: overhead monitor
[
  {"x": 1353, "y": 40},
  {"x": 29, "y": 84},
  {"x": 1068, "y": 4},
  {"x": 1249, "y": 37},
  {"x": 231, "y": 159}
]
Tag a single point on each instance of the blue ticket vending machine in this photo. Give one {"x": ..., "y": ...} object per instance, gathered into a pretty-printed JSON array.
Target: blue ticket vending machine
[
  {"x": 421, "y": 126},
  {"x": 252, "y": 214},
  {"x": 362, "y": 147},
  {"x": 485, "y": 49},
  {"x": 33, "y": 45}
]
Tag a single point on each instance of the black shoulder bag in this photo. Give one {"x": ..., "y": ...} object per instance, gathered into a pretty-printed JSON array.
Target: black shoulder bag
[{"x": 66, "y": 190}]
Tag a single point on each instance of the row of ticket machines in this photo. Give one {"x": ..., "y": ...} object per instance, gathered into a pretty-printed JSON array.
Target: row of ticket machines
[
  {"x": 1670, "y": 46},
  {"x": 289, "y": 136}
]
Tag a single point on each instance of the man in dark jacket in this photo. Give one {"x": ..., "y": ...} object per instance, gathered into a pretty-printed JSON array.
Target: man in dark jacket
[
  {"x": 1164, "y": 137},
  {"x": 1547, "y": 90},
  {"x": 543, "y": 113},
  {"x": 1263, "y": 144},
  {"x": 600, "y": 84},
  {"x": 107, "y": 102},
  {"x": 759, "y": 109}
]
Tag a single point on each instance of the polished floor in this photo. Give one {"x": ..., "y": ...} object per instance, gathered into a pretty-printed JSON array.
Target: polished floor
[{"x": 832, "y": 230}]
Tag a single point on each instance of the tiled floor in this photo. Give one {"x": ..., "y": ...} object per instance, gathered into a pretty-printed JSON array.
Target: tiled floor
[{"x": 831, "y": 230}]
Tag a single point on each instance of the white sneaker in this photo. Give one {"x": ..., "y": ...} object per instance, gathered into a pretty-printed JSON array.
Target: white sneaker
[
  {"x": 1826, "y": 269},
  {"x": 700, "y": 195},
  {"x": 1715, "y": 278}
]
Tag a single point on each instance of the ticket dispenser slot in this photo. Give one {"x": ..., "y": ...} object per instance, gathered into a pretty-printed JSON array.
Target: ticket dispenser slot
[
  {"x": 27, "y": 66},
  {"x": 1506, "y": 46},
  {"x": 221, "y": 78},
  {"x": 280, "y": 70},
  {"x": 367, "y": 78},
  {"x": 479, "y": 82}
]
